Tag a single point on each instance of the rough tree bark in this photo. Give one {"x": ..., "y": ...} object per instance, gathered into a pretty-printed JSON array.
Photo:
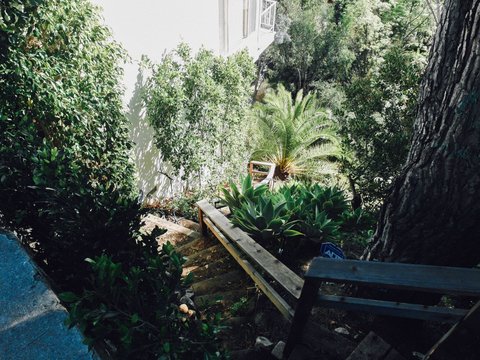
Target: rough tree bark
[{"x": 432, "y": 215}]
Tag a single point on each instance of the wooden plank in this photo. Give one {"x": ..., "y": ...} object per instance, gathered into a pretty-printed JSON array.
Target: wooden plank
[
  {"x": 203, "y": 227},
  {"x": 372, "y": 347},
  {"x": 272, "y": 266},
  {"x": 260, "y": 172},
  {"x": 435, "y": 279},
  {"x": 152, "y": 220},
  {"x": 390, "y": 308},
  {"x": 261, "y": 163},
  {"x": 462, "y": 337},
  {"x": 302, "y": 313},
  {"x": 284, "y": 308}
]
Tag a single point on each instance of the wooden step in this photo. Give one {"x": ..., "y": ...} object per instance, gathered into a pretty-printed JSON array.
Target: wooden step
[
  {"x": 220, "y": 266},
  {"x": 189, "y": 224},
  {"x": 152, "y": 220},
  {"x": 373, "y": 347},
  {"x": 195, "y": 246},
  {"x": 320, "y": 343},
  {"x": 230, "y": 280},
  {"x": 206, "y": 256},
  {"x": 176, "y": 234},
  {"x": 221, "y": 300}
]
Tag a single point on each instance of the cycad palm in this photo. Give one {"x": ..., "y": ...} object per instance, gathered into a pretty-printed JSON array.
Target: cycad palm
[{"x": 297, "y": 136}]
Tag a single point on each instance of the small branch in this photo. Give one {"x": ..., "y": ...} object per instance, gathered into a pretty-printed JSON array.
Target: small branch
[{"x": 429, "y": 4}]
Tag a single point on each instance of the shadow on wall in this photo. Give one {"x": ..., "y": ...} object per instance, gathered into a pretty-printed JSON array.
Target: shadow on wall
[{"x": 155, "y": 178}]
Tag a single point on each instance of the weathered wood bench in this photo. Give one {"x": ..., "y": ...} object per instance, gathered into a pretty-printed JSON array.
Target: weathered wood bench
[
  {"x": 260, "y": 265},
  {"x": 409, "y": 277}
]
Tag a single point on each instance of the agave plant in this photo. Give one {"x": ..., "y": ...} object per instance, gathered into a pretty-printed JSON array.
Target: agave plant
[
  {"x": 236, "y": 198},
  {"x": 297, "y": 136},
  {"x": 329, "y": 199},
  {"x": 357, "y": 220},
  {"x": 265, "y": 220},
  {"x": 320, "y": 227}
]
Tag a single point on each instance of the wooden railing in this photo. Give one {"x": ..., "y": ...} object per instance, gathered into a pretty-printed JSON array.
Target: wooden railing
[
  {"x": 252, "y": 257},
  {"x": 268, "y": 180},
  {"x": 260, "y": 265}
]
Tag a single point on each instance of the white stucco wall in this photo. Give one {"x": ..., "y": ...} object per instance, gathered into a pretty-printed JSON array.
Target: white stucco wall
[
  {"x": 257, "y": 41},
  {"x": 153, "y": 27}
]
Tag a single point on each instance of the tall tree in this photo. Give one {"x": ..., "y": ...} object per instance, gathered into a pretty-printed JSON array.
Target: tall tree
[{"x": 432, "y": 213}]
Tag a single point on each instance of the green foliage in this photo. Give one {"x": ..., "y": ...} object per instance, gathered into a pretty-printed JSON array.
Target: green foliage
[
  {"x": 197, "y": 106},
  {"x": 67, "y": 182},
  {"x": 357, "y": 220},
  {"x": 65, "y": 172},
  {"x": 235, "y": 198},
  {"x": 184, "y": 205},
  {"x": 310, "y": 47},
  {"x": 296, "y": 135},
  {"x": 239, "y": 307},
  {"x": 376, "y": 134},
  {"x": 296, "y": 211},
  {"x": 365, "y": 57},
  {"x": 265, "y": 220},
  {"x": 318, "y": 226},
  {"x": 136, "y": 308}
]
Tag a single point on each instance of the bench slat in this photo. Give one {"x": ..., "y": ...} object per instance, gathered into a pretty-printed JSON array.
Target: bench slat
[
  {"x": 390, "y": 308},
  {"x": 272, "y": 266},
  {"x": 435, "y": 279}
]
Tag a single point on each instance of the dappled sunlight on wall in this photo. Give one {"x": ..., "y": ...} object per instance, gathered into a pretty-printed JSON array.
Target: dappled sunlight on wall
[{"x": 155, "y": 177}]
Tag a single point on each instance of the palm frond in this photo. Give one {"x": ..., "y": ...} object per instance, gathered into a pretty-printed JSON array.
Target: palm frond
[{"x": 294, "y": 134}]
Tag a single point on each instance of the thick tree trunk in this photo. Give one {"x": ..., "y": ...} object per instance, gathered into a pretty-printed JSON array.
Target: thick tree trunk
[{"x": 432, "y": 215}]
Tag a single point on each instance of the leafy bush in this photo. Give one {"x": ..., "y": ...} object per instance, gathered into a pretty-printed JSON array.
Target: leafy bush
[
  {"x": 240, "y": 307},
  {"x": 196, "y": 105},
  {"x": 67, "y": 182},
  {"x": 318, "y": 227},
  {"x": 265, "y": 220},
  {"x": 134, "y": 312},
  {"x": 184, "y": 205},
  {"x": 357, "y": 220},
  {"x": 65, "y": 174}
]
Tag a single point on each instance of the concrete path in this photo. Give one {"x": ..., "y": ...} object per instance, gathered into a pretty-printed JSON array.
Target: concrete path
[{"x": 31, "y": 316}]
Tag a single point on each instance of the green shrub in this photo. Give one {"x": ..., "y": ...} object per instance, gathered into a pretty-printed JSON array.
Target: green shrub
[
  {"x": 357, "y": 220},
  {"x": 239, "y": 307},
  {"x": 184, "y": 205},
  {"x": 67, "y": 182},
  {"x": 196, "y": 104},
  {"x": 280, "y": 220},
  {"x": 66, "y": 179},
  {"x": 318, "y": 227},
  {"x": 133, "y": 311}
]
